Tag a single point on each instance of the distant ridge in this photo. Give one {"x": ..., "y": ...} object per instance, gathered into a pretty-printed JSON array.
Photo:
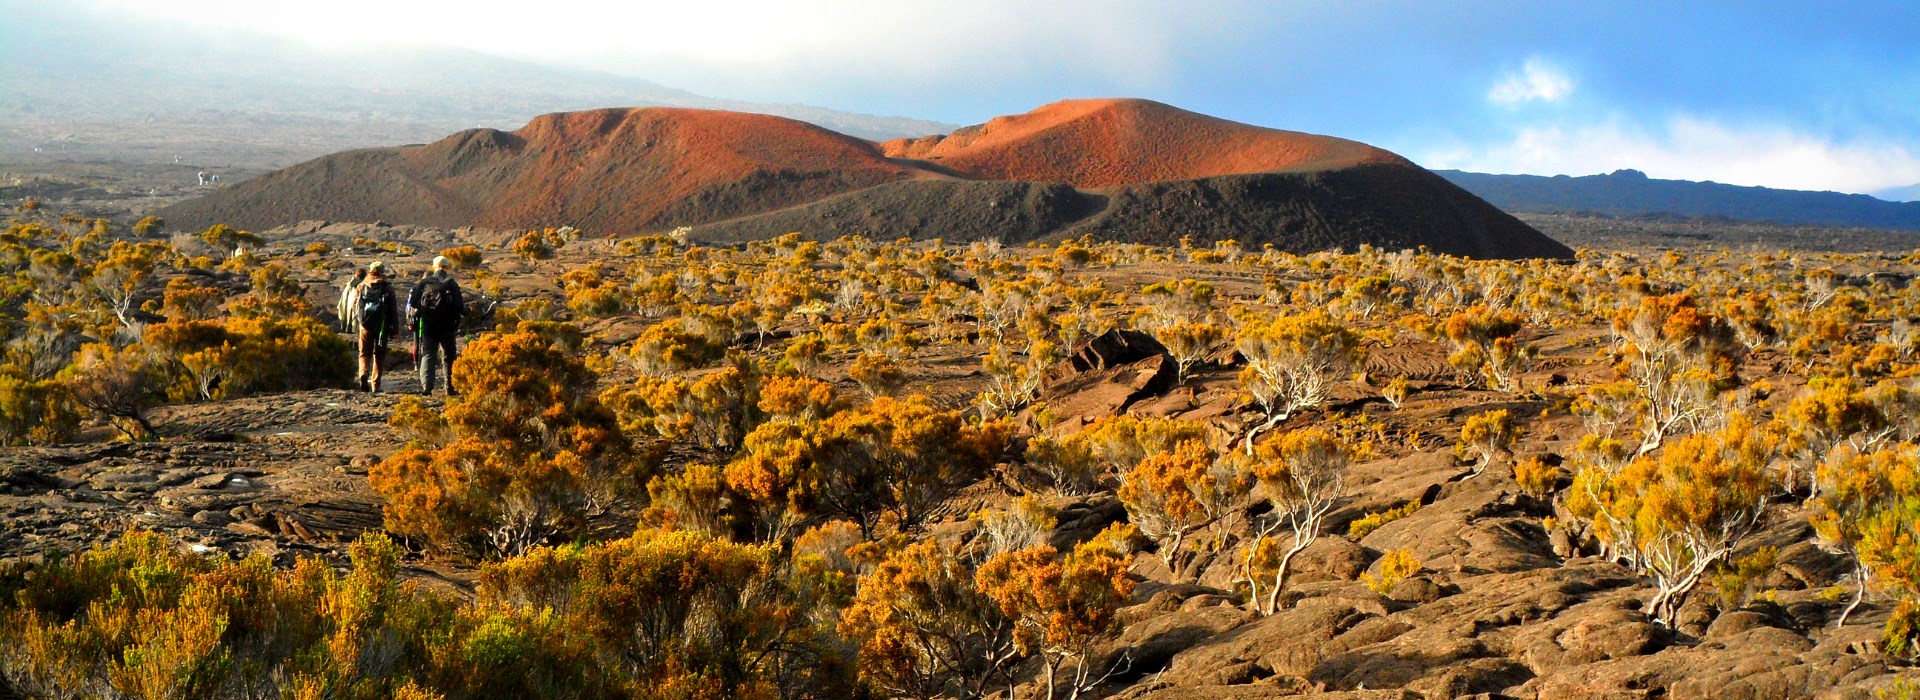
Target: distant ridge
[
  {"x": 1129, "y": 170},
  {"x": 138, "y": 89},
  {"x": 1910, "y": 193},
  {"x": 1632, "y": 193}
]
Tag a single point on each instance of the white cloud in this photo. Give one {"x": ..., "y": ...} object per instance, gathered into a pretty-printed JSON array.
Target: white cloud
[
  {"x": 1536, "y": 81},
  {"x": 1692, "y": 148},
  {"x": 757, "y": 46}
]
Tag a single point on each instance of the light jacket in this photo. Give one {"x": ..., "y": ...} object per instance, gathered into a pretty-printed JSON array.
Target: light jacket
[{"x": 348, "y": 309}]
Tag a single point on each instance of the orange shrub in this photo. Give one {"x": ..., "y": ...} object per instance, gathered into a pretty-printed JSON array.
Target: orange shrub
[
  {"x": 1063, "y": 607},
  {"x": 679, "y": 614},
  {"x": 924, "y": 629},
  {"x": 891, "y": 457},
  {"x": 466, "y": 256},
  {"x": 533, "y": 246},
  {"x": 1174, "y": 494},
  {"x": 531, "y": 453}
]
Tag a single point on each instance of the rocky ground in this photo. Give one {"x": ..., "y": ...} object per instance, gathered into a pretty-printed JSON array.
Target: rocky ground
[{"x": 283, "y": 475}]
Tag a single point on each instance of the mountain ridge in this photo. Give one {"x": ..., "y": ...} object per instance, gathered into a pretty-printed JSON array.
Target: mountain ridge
[
  {"x": 1107, "y": 167},
  {"x": 81, "y": 87},
  {"x": 1632, "y": 193},
  {"x": 1910, "y": 193}
]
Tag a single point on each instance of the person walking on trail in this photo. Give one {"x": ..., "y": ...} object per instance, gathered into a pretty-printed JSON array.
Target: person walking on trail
[
  {"x": 438, "y": 307},
  {"x": 378, "y": 314},
  {"x": 347, "y": 310}
]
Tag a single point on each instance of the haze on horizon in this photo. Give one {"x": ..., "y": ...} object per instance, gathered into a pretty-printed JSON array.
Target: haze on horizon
[{"x": 1779, "y": 94}]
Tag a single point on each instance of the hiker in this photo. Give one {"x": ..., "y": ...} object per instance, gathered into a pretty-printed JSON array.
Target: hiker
[
  {"x": 437, "y": 307},
  {"x": 348, "y": 307},
  {"x": 379, "y": 319}
]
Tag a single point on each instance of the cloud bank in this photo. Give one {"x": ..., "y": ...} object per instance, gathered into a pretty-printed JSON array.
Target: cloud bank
[
  {"x": 1692, "y": 148},
  {"x": 767, "y": 49},
  {"x": 1768, "y": 92},
  {"x": 1537, "y": 81}
]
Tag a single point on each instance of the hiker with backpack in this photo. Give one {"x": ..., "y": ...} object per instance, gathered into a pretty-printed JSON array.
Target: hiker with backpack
[
  {"x": 379, "y": 319},
  {"x": 438, "y": 307}
]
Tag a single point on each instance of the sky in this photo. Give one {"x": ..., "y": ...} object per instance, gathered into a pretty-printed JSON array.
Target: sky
[{"x": 1791, "y": 94}]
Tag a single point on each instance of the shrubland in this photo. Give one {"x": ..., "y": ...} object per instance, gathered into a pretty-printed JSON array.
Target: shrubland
[
  {"x": 689, "y": 471},
  {"x": 116, "y": 327}
]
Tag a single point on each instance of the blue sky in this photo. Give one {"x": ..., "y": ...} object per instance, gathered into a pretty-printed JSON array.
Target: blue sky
[{"x": 1786, "y": 94}]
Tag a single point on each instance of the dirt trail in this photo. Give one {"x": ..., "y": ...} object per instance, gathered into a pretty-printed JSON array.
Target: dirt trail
[{"x": 279, "y": 474}]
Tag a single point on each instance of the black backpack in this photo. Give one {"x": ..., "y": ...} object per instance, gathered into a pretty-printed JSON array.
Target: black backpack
[
  {"x": 437, "y": 299},
  {"x": 375, "y": 299}
]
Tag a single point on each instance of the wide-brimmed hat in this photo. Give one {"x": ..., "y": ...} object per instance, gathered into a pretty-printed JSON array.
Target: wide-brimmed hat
[{"x": 377, "y": 268}]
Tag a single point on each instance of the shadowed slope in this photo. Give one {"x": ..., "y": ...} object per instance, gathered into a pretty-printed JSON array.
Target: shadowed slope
[{"x": 1382, "y": 205}]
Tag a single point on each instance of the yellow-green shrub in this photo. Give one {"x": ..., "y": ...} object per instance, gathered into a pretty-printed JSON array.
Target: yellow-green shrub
[
  {"x": 466, "y": 256},
  {"x": 35, "y": 411},
  {"x": 1372, "y": 521},
  {"x": 1395, "y": 567},
  {"x": 678, "y": 614},
  {"x": 204, "y": 360},
  {"x": 139, "y": 618}
]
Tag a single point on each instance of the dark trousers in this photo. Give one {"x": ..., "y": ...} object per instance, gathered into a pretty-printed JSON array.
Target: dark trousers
[{"x": 437, "y": 350}]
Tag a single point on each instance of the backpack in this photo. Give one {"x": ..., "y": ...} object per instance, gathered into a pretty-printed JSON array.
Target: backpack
[
  {"x": 437, "y": 301},
  {"x": 375, "y": 299}
]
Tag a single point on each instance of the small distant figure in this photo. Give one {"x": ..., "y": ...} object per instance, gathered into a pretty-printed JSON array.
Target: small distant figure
[
  {"x": 379, "y": 319},
  {"x": 203, "y": 178},
  {"x": 437, "y": 306},
  {"x": 215, "y": 178},
  {"x": 348, "y": 307}
]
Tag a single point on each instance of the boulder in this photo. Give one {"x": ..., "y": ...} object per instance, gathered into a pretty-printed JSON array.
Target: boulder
[
  {"x": 1288, "y": 642},
  {"x": 1470, "y": 531},
  {"x": 1732, "y": 624},
  {"x": 1081, "y": 521},
  {"x": 1146, "y": 647},
  {"x": 1417, "y": 589},
  {"x": 1103, "y": 392},
  {"x": 1329, "y": 558},
  {"x": 1265, "y": 691},
  {"x": 1112, "y": 349},
  {"x": 1767, "y": 663},
  {"x": 1807, "y": 565}
]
